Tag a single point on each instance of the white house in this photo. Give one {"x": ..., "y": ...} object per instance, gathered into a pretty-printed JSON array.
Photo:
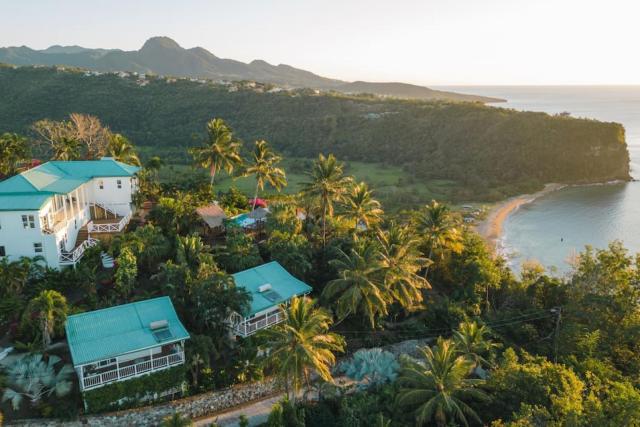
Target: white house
[
  {"x": 57, "y": 209},
  {"x": 126, "y": 341},
  {"x": 270, "y": 287}
]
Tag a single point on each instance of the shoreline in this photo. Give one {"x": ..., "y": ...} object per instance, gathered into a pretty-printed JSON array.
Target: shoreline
[{"x": 490, "y": 229}]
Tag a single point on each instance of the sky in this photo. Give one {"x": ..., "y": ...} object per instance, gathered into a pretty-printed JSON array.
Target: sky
[{"x": 430, "y": 42}]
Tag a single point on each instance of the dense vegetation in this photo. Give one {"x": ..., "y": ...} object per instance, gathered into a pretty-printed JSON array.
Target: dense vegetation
[
  {"x": 494, "y": 349},
  {"x": 488, "y": 151}
]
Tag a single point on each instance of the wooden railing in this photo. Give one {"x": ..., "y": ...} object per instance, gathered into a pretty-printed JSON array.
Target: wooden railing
[
  {"x": 112, "y": 227},
  {"x": 138, "y": 369},
  {"x": 71, "y": 258},
  {"x": 249, "y": 327}
]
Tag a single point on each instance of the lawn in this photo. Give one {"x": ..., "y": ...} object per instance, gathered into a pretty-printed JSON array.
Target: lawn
[{"x": 395, "y": 188}]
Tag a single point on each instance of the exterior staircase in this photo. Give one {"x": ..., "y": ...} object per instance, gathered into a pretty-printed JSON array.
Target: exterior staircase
[
  {"x": 107, "y": 260},
  {"x": 99, "y": 211},
  {"x": 83, "y": 235}
]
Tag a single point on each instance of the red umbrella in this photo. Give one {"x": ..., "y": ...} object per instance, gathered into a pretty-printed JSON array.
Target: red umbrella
[{"x": 260, "y": 203}]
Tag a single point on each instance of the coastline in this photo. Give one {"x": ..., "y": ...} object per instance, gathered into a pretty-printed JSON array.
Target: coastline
[{"x": 490, "y": 229}]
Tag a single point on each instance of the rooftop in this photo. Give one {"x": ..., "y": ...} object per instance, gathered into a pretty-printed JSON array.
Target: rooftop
[
  {"x": 283, "y": 286},
  {"x": 110, "y": 332},
  {"x": 30, "y": 189}
]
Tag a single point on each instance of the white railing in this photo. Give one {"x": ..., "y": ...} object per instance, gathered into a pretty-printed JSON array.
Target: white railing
[
  {"x": 111, "y": 227},
  {"x": 105, "y": 208},
  {"x": 249, "y": 327},
  {"x": 71, "y": 258},
  {"x": 156, "y": 364}
]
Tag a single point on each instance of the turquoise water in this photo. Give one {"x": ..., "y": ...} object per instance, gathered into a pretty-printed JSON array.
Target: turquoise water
[{"x": 555, "y": 227}]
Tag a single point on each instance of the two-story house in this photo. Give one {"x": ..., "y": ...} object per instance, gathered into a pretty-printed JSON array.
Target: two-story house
[{"x": 56, "y": 210}]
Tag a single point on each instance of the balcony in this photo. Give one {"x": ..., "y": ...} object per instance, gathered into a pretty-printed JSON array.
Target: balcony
[
  {"x": 251, "y": 326},
  {"x": 114, "y": 225},
  {"x": 133, "y": 370}
]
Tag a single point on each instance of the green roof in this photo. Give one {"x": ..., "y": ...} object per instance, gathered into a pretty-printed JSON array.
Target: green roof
[
  {"x": 110, "y": 332},
  {"x": 55, "y": 177},
  {"x": 283, "y": 286}
]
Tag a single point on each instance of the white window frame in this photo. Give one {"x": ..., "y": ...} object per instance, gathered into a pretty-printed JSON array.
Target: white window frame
[
  {"x": 119, "y": 182},
  {"x": 28, "y": 221},
  {"x": 38, "y": 247}
]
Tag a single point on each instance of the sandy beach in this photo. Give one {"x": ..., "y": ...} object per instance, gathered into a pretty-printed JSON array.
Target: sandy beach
[{"x": 491, "y": 228}]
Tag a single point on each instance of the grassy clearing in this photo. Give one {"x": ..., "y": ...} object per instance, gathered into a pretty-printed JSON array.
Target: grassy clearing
[{"x": 395, "y": 188}]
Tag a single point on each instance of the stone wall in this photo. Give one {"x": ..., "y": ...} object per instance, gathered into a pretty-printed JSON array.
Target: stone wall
[{"x": 191, "y": 407}]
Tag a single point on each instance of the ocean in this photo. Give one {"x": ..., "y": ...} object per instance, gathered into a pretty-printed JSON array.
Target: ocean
[{"x": 557, "y": 226}]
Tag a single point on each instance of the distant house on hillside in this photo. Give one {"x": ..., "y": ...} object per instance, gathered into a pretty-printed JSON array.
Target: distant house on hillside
[
  {"x": 270, "y": 287},
  {"x": 213, "y": 216},
  {"x": 124, "y": 342},
  {"x": 55, "y": 210}
]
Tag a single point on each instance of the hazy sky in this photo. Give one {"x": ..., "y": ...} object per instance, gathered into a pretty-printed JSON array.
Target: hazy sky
[{"x": 420, "y": 41}]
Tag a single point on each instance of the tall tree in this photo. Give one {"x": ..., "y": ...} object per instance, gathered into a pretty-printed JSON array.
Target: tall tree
[
  {"x": 401, "y": 262},
  {"x": 49, "y": 308},
  {"x": 437, "y": 387},
  {"x": 264, "y": 167},
  {"x": 302, "y": 345},
  {"x": 439, "y": 231},
  {"x": 220, "y": 151},
  {"x": 127, "y": 271},
  {"x": 122, "y": 150},
  {"x": 359, "y": 288},
  {"x": 327, "y": 185},
  {"x": 67, "y": 148},
  {"x": 360, "y": 207},
  {"x": 14, "y": 150},
  {"x": 473, "y": 341}
]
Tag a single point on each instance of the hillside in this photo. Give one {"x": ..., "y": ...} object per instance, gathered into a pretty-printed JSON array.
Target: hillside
[
  {"x": 491, "y": 152},
  {"x": 161, "y": 55}
]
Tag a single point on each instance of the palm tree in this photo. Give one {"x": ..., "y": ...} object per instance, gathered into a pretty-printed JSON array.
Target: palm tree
[
  {"x": 122, "y": 150},
  {"x": 220, "y": 151},
  {"x": 401, "y": 261},
  {"x": 33, "y": 378},
  {"x": 264, "y": 168},
  {"x": 66, "y": 148},
  {"x": 176, "y": 420},
  {"x": 13, "y": 151},
  {"x": 50, "y": 309},
  {"x": 15, "y": 275},
  {"x": 302, "y": 344},
  {"x": 438, "y": 229},
  {"x": 360, "y": 207},
  {"x": 436, "y": 388},
  {"x": 359, "y": 287},
  {"x": 327, "y": 185},
  {"x": 473, "y": 341}
]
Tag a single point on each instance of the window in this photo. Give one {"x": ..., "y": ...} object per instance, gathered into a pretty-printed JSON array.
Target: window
[
  {"x": 37, "y": 248},
  {"x": 101, "y": 184},
  {"x": 28, "y": 221},
  {"x": 119, "y": 183},
  {"x": 3, "y": 252}
]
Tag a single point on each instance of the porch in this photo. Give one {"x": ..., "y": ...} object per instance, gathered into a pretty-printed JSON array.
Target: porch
[
  {"x": 245, "y": 327},
  {"x": 115, "y": 369}
]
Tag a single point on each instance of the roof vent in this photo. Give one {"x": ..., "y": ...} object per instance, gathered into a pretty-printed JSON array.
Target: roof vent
[
  {"x": 264, "y": 288},
  {"x": 158, "y": 324}
]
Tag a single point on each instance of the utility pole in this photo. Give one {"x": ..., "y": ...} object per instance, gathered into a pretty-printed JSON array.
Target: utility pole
[{"x": 558, "y": 312}]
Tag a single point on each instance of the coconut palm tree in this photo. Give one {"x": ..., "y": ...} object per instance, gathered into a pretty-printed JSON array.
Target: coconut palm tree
[
  {"x": 50, "y": 309},
  {"x": 220, "y": 151},
  {"x": 15, "y": 275},
  {"x": 360, "y": 207},
  {"x": 34, "y": 378},
  {"x": 66, "y": 148},
  {"x": 436, "y": 388},
  {"x": 439, "y": 231},
  {"x": 13, "y": 151},
  {"x": 327, "y": 185},
  {"x": 473, "y": 341},
  {"x": 302, "y": 345},
  {"x": 359, "y": 287},
  {"x": 401, "y": 262},
  {"x": 122, "y": 150},
  {"x": 264, "y": 167}
]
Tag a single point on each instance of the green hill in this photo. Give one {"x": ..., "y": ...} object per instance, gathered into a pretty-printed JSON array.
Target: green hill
[{"x": 489, "y": 152}]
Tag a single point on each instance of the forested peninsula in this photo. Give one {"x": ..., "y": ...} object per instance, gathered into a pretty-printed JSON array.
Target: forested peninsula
[{"x": 488, "y": 152}]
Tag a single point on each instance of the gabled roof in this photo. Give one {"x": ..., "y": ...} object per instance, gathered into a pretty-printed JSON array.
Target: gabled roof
[
  {"x": 212, "y": 214},
  {"x": 282, "y": 283},
  {"x": 56, "y": 177},
  {"x": 110, "y": 332}
]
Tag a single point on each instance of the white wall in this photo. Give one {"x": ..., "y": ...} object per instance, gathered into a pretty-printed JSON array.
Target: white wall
[
  {"x": 116, "y": 199},
  {"x": 18, "y": 241}
]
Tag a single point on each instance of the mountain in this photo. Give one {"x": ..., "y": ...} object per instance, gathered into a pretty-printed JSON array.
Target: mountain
[{"x": 162, "y": 55}]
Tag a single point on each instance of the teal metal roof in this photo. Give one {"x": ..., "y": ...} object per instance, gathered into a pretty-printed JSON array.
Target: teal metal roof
[
  {"x": 56, "y": 177},
  {"x": 110, "y": 332},
  {"x": 282, "y": 283}
]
